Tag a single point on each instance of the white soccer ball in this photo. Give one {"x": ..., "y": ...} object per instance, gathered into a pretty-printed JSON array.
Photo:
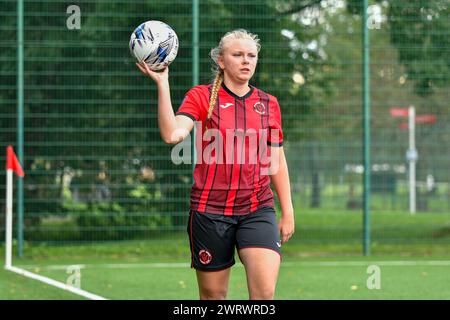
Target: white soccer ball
[{"x": 155, "y": 43}]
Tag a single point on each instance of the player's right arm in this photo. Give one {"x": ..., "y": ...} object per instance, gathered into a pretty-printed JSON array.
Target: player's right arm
[{"x": 173, "y": 128}]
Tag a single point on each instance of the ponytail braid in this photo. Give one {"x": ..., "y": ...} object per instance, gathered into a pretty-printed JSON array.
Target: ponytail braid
[{"x": 218, "y": 79}]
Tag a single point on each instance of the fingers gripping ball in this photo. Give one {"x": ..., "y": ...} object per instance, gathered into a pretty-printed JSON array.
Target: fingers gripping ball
[{"x": 155, "y": 43}]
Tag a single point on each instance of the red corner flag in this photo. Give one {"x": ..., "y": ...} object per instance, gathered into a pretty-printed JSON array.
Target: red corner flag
[{"x": 12, "y": 163}]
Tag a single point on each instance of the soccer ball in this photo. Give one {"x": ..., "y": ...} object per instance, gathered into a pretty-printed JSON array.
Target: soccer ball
[{"x": 155, "y": 43}]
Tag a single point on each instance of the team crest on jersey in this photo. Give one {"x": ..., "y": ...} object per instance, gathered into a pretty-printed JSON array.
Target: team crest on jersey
[
  {"x": 259, "y": 108},
  {"x": 204, "y": 256}
]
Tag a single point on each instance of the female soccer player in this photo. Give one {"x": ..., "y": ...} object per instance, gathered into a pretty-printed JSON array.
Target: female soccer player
[{"x": 232, "y": 203}]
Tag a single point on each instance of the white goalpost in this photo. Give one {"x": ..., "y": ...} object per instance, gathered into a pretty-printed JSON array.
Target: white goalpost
[{"x": 12, "y": 166}]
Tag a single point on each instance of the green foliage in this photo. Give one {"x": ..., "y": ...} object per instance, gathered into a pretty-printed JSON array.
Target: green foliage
[
  {"x": 91, "y": 117},
  {"x": 418, "y": 31},
  {"x": 354, "y": 6},
  {"x": 93, "y": 154}
]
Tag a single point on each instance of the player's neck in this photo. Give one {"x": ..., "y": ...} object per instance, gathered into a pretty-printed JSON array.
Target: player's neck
[{"x": 239, "y": 89}]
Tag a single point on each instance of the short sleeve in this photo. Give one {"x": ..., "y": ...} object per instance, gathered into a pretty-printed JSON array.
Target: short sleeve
[
  {"x": 192, "y": 105},
  {"x": 275, "y": 138}
]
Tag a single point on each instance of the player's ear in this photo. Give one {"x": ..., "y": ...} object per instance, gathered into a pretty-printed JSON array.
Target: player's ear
[{"x": 220, "y": 62}]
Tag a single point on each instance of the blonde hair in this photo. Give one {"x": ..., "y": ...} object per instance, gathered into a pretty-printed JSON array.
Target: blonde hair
[{"x": 218, "y": 51}]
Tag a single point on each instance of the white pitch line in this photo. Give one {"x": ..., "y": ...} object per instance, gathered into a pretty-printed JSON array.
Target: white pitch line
[
  {"x": 400, "y": 263},
  {"x": 55, "y": 283},
  {"x": 111, "y": 266}
]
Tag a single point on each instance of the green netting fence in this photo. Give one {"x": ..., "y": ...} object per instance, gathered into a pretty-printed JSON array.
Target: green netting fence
[{"x": 98, "y": 170}]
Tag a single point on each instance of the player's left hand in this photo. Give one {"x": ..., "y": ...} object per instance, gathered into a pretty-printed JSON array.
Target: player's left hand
[{"x": 286, "y": 227}]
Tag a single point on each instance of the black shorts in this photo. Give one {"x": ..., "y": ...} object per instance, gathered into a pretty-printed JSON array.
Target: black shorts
[{"x": 213, "y": 237}]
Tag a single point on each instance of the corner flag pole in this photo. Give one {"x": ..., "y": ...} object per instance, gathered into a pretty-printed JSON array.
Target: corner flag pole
[
  {"x": 12, "y": 165},
  {"x": 9, "y": 202}
]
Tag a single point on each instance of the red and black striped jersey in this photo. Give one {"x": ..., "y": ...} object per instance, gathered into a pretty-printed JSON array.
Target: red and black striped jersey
[{"x": 229, "y": 174}]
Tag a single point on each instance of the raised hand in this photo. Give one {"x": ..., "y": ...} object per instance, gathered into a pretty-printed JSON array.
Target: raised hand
[{"x": 158, "y": 77}]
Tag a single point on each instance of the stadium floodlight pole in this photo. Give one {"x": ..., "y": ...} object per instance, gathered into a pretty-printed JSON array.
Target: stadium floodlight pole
[
  {"x": 195, "y": 67},
  {"x": 366, "y": 131},
  {"x": 411, "y": 156},
  {"x": 20, "y": 135}
]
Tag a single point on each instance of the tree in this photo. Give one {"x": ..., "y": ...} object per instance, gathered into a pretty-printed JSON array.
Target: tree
[
  {"x": 91, "y": 117},
  {"x": 419, "y": 32}
]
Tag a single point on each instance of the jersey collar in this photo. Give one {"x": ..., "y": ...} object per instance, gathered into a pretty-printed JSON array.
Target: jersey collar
[{"x": 231, "y": 93}]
